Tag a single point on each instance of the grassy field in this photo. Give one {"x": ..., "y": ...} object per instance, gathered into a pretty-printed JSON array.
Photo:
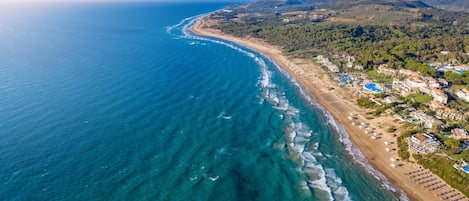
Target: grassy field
[
  {"x": 373, "y": 14},
  {"x": 380, "y": 78},
  {"x": 421, "y": 98}
]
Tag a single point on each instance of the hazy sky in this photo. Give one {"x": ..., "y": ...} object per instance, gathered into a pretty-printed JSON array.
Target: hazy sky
[
  {"x": 129, "y": 1},
  {"x": 22, "y": 6}
]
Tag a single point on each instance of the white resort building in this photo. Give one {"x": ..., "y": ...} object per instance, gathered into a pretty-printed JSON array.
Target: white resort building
[
  {"x": 437, "y": 94},
  {"x": 463, "y": 94},
  {"x": 427, "y": 120},
  {"x": 401, "y": 87},
  {"x": 383, "y": 69},
  {"x": 407, "y": 72},
  {"x": 444, "y": 112},
  {"x": 460, "y": 134},
  {"x": 327, "y": 63},
  {"x": 423, "y": 143},
  {"x": 415, "y": 82}
]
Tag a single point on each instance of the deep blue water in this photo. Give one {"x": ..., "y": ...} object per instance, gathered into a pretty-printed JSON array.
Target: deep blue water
[{"x": 120, "y": 102}]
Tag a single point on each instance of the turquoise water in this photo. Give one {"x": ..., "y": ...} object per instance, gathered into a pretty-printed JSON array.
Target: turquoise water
[
  {"x": 373, "y": 87},
  {"x": 122, "y": 102}
]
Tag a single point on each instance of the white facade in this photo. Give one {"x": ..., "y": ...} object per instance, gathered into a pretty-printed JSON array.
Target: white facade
[
  {"x": 328, "y": 64},
  {"x": 423, "y": 143},
  {"x": 463, "y": 94},
  {"x": 401, "y": 87},
  {"x": 387, "y": 71},
  {"x": 460, "y": 134},
  {"x": 427, "y": 120}
]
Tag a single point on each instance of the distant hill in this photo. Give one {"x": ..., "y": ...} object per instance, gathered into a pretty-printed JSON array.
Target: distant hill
[
  {"x": 396, "y": 12},
  {"x": 449, "y": 4},
  {"x": 395, "y": 3}
]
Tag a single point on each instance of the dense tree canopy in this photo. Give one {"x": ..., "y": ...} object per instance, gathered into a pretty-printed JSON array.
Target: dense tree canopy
[{"x": 401, "y": 46}]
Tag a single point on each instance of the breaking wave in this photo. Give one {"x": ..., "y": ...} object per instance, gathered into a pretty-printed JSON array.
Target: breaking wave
[{"x": 320, "y": 181}]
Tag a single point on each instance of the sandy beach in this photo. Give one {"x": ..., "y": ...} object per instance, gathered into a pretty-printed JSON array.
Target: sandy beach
[{"x": 367, "y": 133}]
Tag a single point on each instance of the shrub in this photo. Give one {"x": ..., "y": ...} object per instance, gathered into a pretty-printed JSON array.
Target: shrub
[
  {"x": 364, "y": 102},
  {"x": 391, "y": 129}
]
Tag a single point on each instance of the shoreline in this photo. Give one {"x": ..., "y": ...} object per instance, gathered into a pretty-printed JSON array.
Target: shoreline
[{"x": 339, "y": 104}]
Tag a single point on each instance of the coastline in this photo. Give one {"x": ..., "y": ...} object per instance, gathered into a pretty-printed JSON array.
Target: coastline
[{"x": 340, "y": 103}]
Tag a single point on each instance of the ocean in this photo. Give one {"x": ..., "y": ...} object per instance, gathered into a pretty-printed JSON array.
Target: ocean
[{"x": 123, "y": 102}]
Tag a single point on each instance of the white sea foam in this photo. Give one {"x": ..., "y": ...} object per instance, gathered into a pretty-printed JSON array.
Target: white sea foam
[
  {"x": 304, "y": 185},
  {"x": 283, "y": 108},
  {"x": 316, "y": 170},
  {"x": 221, "y": 114},
  {"x": 215, "y": 178},
  {"x": 299, "y": 135},
  {"x": 339, "y": 191},
  {"x": 316, "y": 146},
  {"x": 300, "y": 140},
  {"x": 169, "y": 29},
  {"x": 299, "y": 147},
  {"x": 211, "y": 177},
  {"x": 356, "y": 154},
  {"x": 297, "y": 129},
  {"x": 308, "y": 157}
]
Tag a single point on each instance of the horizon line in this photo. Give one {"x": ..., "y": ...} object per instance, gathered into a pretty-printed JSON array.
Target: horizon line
[{"x": 116, "y": 1}]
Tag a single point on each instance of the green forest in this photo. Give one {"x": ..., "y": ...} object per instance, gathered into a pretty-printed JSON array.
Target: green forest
[
  {"x": 401, "y": 46},
  {"x": 411, "y": 38}
]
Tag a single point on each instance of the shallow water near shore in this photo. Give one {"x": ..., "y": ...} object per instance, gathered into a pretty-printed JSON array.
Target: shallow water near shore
[{"x": 122, "y": 102}]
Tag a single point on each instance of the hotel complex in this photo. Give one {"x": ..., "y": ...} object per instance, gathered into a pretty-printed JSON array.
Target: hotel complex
[{"x": 423, "y": 143}]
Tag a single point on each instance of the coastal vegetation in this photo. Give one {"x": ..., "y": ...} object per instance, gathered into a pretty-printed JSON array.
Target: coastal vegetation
[
  {"x": 402, "y": 145},
  {"x": 391, "y": 129},
  {"x": 421, "y": 34},
  {"x": 365, "y": 102},
  {"x": 402, "y": 46},
  {"x": 443, "y": 167},
  {"x": 363, "y": 37}
]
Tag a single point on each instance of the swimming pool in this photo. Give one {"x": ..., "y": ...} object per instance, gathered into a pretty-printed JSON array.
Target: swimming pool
[
  {"x": 373, "y": 88},
  {"x": 466, "y": 169}
]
